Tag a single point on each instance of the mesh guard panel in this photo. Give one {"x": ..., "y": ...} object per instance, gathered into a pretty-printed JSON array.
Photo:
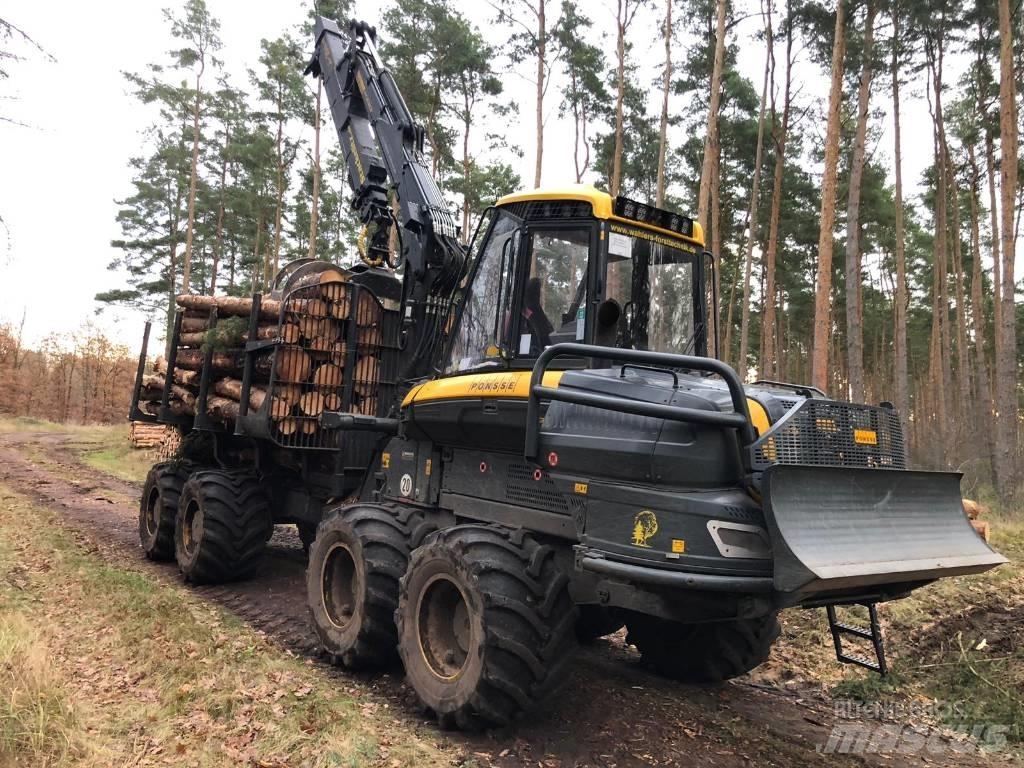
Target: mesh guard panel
[
  {"x": 827, "y": 433},
  {"x": 338, "y": 352}
]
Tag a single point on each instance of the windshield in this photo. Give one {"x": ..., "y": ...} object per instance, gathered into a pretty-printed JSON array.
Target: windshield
[{"x": 654, "y": 280}]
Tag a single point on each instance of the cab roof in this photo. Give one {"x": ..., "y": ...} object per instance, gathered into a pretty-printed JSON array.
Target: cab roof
[{"x": 600, "y": 201}]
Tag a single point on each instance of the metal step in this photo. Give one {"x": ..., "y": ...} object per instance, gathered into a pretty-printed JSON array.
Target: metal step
[{"x": 872, "y": 633}]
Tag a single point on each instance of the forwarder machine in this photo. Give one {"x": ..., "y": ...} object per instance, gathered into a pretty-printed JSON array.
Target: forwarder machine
[{"x": 550, "y": 450}]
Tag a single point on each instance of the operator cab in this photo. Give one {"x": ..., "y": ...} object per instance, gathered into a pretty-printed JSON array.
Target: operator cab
[{"x": 576, "y": 265}]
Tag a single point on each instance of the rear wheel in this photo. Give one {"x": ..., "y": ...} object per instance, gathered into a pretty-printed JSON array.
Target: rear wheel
[
  {"x": 360, "y": 553},
  {"x": 485, "y": 624},
  {"x": 702, "y": 653},
  {"x": 222, "y": 526},
  {"x": 158, "y": 508}
]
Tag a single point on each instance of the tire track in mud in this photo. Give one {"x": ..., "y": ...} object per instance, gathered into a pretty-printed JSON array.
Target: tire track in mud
[{"x": 610, "y": 713}]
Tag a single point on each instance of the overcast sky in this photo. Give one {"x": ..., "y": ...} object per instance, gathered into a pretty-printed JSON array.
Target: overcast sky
[{"x": 62, "y": 175}]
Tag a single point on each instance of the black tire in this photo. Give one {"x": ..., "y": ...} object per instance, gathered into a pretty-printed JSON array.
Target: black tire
[
  {"x": 702, "y": 653},
  {"x": 485, "y": 625},
  {"x": 222, "y": 527},
  {"x": 360, "y": 553},
  {"x": 158, "y": 508},
  {"x": 597, "y": 621}
]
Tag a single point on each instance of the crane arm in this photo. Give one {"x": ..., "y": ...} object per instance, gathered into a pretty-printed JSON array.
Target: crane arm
[{"x": 383, "y": 148}]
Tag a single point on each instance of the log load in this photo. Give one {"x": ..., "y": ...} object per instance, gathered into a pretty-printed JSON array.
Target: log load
[
  {"x": 305, "y": 371},
  {"x": 238, "y": 306}
]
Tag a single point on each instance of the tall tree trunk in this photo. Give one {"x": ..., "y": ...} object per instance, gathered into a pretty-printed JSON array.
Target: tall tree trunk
[
  {"x": 823, "y": 293},
  {"x": 716, "y": 246},
  {"x": 666, "y": 84},
  {"x": 942, "y": 377},
  {"x": 218, "y": 245},
  {"x": 1006, "y": 346},
  {"x": 770, "y": 367},
  {"x": 755, "y": 189},
  {"x": 902, "y": 390},
  {"x": 983, "y": 398},
  {"x": 577, "y": 116},
  {"x": 466, "y": 122},
  {"x": 993, "y": 208},
  {"x": 963, "y": 380},
  {"x": 620, "y": 82},
  {"x": 186, "y": 274},
  {"x": 714, "y": 102},
  {"x": 854, "y": 311},
  {"x": 542, "y": 42},
  {"x": 279, "y": 211},
  {"x": 314, "y": 204}
]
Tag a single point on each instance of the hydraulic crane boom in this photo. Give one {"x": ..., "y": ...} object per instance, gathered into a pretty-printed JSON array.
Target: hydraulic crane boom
[{"x": 383, "y": 148}]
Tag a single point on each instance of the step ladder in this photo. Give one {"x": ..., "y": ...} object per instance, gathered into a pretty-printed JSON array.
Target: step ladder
[{"x": 873, "y": 633}]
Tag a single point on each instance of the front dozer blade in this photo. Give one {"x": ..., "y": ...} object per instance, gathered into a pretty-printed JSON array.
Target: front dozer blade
[{"x": 840, "y": 530}]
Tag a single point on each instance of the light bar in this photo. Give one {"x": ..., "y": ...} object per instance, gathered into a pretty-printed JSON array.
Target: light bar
[{"x": 648, "y": 214}]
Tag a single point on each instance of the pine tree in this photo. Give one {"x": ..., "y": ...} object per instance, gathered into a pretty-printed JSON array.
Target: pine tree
[
  {"x": 198, "y": 32},
  {"x": 823, "y": 295},
  {"x": 854, "y": 313},
  {"x": 1007, "y": 404},
  {"x": 755, "y": 190},
  {"x": 626, "y": 11},
  {"x": 281, "y": 89},
  {"x": 585, "y": 95}
]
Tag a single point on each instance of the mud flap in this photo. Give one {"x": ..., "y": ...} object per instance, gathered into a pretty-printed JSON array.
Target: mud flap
[{"x": 840, "y": 530}]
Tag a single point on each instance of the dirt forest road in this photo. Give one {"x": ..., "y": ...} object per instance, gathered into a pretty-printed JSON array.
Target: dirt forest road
[{"x": 611, "y": 713}]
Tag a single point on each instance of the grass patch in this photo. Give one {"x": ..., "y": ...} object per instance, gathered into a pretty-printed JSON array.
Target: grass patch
[
  {"x": 10, "y": 424},
  {"x": 38, "y": 724},
  {"x": 108, "y": 450},
  {"x": 156, "y": 674}
]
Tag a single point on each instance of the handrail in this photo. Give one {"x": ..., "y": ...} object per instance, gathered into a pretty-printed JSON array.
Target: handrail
[
  {"x": 739, "y": 420},
  {"x": 797, "y": 388}
]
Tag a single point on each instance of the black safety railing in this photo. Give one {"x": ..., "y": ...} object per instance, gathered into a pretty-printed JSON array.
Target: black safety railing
[{"x": 665, "y": 362}]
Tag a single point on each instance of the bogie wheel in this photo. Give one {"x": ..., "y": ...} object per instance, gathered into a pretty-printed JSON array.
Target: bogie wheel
[
  {"x": 222, "y": 525},
  {"x": 360, "y": 553},
  {"x": 158, "y": 508},
  {"x": 485, "y": 624},
  {"x": 702, "y": 653}
]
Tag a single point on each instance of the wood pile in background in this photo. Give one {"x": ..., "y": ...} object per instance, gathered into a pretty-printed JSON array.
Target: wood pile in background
[{"x": 146, "y": 436}]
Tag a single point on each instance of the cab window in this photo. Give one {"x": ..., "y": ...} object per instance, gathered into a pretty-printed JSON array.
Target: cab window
[
  {"x": 483, "y": 323},
  {"x": 553, "y": 308}
]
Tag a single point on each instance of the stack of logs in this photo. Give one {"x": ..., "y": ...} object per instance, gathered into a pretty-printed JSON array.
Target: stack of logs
[
  {"x": 309, "y": 363},
  {"x": 147, "y": 437}
]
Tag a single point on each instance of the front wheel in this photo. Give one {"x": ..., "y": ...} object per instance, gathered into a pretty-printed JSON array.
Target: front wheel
[
  {"x": 359, "y": 554},
  {"x": 702, "y": 653},
  {"x": 485, "y": 624}
]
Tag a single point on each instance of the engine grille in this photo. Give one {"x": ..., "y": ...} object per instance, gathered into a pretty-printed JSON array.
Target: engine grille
[
  {"x": 829, "y": 433},
  {"x": 523, "y": 488}
]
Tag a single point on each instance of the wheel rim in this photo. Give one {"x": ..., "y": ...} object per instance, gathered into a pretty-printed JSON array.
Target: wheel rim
[
  {"x": 443, "y": 627},
  {"x": 152, "y": 514},
  {"x": 192, "y": 527},
  {"x": 339, "y": 588}
]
